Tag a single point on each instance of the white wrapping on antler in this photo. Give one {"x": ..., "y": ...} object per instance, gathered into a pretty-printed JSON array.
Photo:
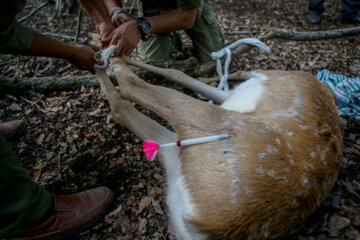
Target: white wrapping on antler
[{"x": 223, "y": 74}]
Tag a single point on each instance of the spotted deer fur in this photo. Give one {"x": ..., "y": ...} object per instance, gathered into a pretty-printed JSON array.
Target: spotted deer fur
[{"x": 280, "y": 163}]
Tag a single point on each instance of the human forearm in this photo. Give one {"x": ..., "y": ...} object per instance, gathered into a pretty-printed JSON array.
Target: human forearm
[
  {"x": 96, "y": 9},
  {"x": 49, "y": 47},
  {"x": 80, "y": 56},
  {"x": 127, "y": 35},
  {"x": 110, "y": 4},
  {"x": 172, "y": 21}
]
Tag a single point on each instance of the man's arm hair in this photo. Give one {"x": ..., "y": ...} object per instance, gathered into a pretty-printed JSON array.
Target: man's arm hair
[{"x": 173, "y": 20}]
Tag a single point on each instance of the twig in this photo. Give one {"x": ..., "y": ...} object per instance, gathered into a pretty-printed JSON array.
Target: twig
[
  {"x": 239, "y": 33},
  {"x": 61, "y": 70},
  {"x": 33, "y": 11},
  {"x": 80, "y": 13},
  {"x": 28, "y": 101},
  {"x": 63, "y": 36},
  {"x": 160, "y": 229}
]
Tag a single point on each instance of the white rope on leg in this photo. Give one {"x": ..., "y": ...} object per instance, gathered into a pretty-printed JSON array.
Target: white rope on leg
[{"x": 224, "y": 73}]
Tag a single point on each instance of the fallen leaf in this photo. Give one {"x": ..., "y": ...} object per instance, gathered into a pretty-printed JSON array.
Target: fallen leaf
[
  {"x": 142, "y": 226},
  {"x": 137, "y": 151},
  {"x": 157, "y": 207},
  {"x": 40, "y": 139},
  {"x": 15, "y": 107},
  {"x": 143, "y": 204},
  {"x": 158, "y": 191},
  {"x": 37, "y": 173},
  {"x": 130, "y": 200},
  {"x": 123, "y": 221},
  {"x": 120, "y": 160}
]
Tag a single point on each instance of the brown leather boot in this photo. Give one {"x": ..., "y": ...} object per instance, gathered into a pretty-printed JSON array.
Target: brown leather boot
[
  {"x": 73, "y": 214},
  {"x": 12, "y": 129}
]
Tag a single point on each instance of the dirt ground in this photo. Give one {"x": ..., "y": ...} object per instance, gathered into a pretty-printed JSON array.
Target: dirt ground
[{"x": 72, "y": 143}]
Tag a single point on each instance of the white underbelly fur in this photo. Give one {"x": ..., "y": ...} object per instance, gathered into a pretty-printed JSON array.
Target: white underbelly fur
[
  {"x": 245, "y": 97},
  {"x": 178, "y": 199}
]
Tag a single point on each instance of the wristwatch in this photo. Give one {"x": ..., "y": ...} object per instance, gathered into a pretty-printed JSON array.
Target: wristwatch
[{"x": 144, "y": 27}]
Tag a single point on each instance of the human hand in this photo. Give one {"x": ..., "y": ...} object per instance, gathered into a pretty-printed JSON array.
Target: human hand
[
  {"x": 125, "y": 38},
  {"x": 119, "y": 19},
  {"x": 82, "y": 58},
  {"x": 104, "y": 29}
]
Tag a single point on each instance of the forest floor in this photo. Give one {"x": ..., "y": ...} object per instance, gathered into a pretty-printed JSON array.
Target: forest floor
[{"x": 72, "y": 144}]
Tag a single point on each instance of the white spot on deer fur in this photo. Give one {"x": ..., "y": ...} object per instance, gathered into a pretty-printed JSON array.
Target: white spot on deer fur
[
  {"x": 307, "y": 165},
  {"x": 240, "y": 123},
  {"x": 289, "y": 145},
  {"x": 235, "y": 179},
  {"x": 289, "y": 133},
  {"x": 323, "y": 153},
  {"x": 238, "y": 145},
  {"x": 287, "y": 170},
  {"x": 312, "y": 154},
  {"x": 248, "y": 190},
  {"x": 226, "y": 124},
  {"x": 278, "y": 141},
  {"x": 276, "y": 126},
  {"x": 232, "y": 118},
  {"x": 271, "y": 173},
  {"x": 325, "y": 163},
  {"x": 285, "y": 179},
  {"x": 304, "y": 127},
  {"x": 318, "y": 148},
  {"x": 244, "y": 98},
  {"x": 260, "y": 170},
  {"x": 271, "y": 149},
  {"x": 305, "y": 180},
  {"x": 261, "y": 155},
  {"x": 291, "y": 160}
]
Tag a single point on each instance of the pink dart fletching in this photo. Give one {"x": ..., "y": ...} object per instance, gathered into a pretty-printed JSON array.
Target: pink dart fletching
[{"x": 150, "y": 149}]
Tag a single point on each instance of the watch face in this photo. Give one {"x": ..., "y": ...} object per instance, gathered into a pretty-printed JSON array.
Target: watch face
[{"x": 145, "y": 26}]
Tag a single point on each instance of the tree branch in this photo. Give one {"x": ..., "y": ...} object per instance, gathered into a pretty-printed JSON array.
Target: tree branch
[
  {"x": 48, "y": 84},
  {"x": 312, "y": 36},
  {"x": 33, "y": 11}
]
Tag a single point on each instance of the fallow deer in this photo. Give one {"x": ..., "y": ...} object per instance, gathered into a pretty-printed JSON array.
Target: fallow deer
[{"x": 279, "y": 164}]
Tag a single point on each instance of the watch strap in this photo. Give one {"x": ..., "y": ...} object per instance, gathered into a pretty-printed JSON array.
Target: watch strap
[{"x": 141, "y": 21}]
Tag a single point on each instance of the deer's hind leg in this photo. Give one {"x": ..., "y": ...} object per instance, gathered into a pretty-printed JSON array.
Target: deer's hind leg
[{"x": 181, "y": 111}]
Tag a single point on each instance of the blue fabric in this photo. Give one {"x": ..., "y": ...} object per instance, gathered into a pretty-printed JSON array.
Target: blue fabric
[
  {"x": 349, "y": 7},
  {"x": 346, "y": 90}
]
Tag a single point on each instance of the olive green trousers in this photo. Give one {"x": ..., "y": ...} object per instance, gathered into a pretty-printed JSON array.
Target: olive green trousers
[
  {"x": 23, "y": 203},
  {"x": 205, "y": 35}
]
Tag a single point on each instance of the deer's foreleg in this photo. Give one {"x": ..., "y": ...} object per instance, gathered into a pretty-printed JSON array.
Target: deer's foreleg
[
  {"x": 182, "y": 111},
  {"x": 124, "y": 113},
  {"x": 174, "y": 75}
]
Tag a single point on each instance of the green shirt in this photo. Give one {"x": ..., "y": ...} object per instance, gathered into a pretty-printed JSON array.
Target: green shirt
[
  {"x": 14, "y": 37},
  {"x": 188, "y": 4}
]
